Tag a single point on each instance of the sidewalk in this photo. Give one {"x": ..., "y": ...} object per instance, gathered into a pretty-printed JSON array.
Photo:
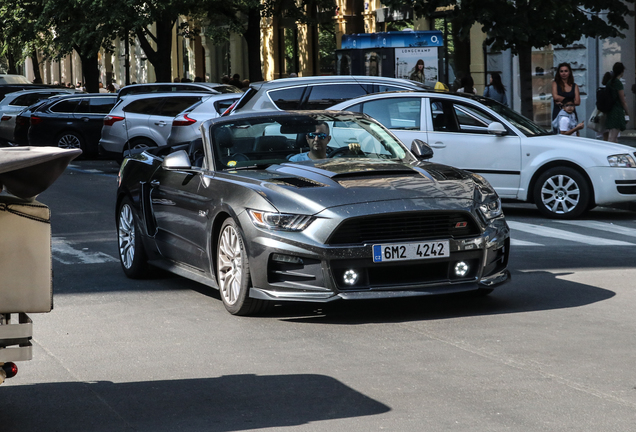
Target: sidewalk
[{"x": 628, "y": 137}]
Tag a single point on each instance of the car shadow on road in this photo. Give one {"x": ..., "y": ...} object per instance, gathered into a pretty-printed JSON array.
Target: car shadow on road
[
  {"x": 527, "y": 292},
  {"x": 226, "y": 403}
]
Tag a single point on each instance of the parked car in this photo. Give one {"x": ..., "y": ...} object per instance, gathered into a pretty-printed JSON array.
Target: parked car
[
  {"x": 371, "y": 220},
  {"x": 145, "y": 120},
  {"x": 14, "y": 103},
  {"x": 73, "y": 121},
  {"x": 562, "y": 175},
  {"x": 204, "y": 87},
  {"x": 312, "y": 93},
  {"x": 185, "y": 126}
]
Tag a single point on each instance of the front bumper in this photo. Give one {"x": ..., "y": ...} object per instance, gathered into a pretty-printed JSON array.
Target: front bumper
[{"x": 284, "y": 269}]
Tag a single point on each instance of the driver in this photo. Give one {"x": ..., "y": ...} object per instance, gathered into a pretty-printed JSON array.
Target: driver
[{"x": 317, "y": 142}]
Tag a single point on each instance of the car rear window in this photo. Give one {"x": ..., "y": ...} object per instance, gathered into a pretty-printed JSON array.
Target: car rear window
[
  {"x": 287, "y": 99},
  {"x": 102, "y": 105},
  {"x": 324, "y": 96},
  {"x": 65, "y": 106},
  {"x": 143, "y": 106},
  {"x": 30, "y": 99},
  {"x": 174, "y": 105}
]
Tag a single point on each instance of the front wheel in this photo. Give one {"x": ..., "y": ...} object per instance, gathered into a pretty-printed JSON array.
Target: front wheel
[
  {"x": 132, "y": 255},
  {"x": 233, "y": 272},
  {"x": 562, "y": 193}
]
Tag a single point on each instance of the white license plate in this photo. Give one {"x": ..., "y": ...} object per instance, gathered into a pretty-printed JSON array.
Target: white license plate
[{"x": 410, "y": 251}]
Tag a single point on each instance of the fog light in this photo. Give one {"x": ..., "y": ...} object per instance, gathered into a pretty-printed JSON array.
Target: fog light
[
  {"x": 461, "y": 268},
  {"x": 350, "y": 277},
  {"x": 287, "y": 259}
]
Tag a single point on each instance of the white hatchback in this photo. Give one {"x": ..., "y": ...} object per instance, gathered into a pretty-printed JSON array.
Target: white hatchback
[{"x": 563, "y": 175}]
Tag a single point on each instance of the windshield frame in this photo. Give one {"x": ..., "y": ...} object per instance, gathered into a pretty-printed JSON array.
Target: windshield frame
[
  {"x": 523, "y": 124},
  {"x": 388, "y": 146}
]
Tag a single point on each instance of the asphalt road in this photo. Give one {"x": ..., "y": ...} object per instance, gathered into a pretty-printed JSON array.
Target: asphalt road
[{"x": 553, "y": 350}]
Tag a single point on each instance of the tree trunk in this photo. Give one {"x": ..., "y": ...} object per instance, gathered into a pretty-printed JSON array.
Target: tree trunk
[
  {"x": 37, "y": 76},
  {"x": 525, "y": 81},
  {"x": 161, "y": 57},
  {"x": 90, "y": 69},
  {"x": 253, "y": 39},
  {"x": 13, "y": 66}
]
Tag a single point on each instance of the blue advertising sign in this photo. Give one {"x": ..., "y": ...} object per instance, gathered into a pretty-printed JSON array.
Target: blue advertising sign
[{"x": 395, "y": 39}]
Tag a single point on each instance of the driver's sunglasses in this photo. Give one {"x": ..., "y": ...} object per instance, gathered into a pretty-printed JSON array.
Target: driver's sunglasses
[{"x": 312, "y": 135}]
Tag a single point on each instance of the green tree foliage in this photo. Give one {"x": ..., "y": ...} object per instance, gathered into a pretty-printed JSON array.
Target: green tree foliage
[{"x": 520, "y": 25}]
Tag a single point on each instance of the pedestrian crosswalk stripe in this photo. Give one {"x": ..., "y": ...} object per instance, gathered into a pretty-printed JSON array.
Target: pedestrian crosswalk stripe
[
  {"x": 604, "y": 226},
  {"x": 544, "y": 231},
  {"x": 516, "y": 242}
]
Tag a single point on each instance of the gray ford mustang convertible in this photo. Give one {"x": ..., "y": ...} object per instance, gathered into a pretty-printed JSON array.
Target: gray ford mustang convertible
[{"x": 310, "y": 206}]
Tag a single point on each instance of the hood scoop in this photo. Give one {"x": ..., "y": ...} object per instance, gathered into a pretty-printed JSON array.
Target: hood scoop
[
  {"x": 363, "y": 175},
  {"x": 299, "y": 182}
]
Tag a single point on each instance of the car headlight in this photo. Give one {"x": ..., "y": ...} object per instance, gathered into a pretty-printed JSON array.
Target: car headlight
[
  {"x": 491, "y": 209},
  {"x": 280, "y": 221},
  {"x": 621, "y": 161}
]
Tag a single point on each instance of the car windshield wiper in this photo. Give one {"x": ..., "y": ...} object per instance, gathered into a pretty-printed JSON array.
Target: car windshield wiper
[{"x": 255, "y": 166}]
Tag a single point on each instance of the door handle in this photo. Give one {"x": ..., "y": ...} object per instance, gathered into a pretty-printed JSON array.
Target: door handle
[
  {"x": 438, "y": 144},
  {"x": 160, "y": 123},
  {"x": 85, "y": 119},
  {"x": 155, "y": 183}
]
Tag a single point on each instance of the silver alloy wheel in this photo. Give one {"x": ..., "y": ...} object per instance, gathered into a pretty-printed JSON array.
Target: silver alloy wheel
[
  {"x": 126, "y": 231},
  {"x": 69, "y": 141},
  {"x": 230, "y": 265},
  {"x": 560, "y": 194}
]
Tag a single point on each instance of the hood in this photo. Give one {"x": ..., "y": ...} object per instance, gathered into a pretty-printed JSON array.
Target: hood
[{"x": 313, "y": 186}]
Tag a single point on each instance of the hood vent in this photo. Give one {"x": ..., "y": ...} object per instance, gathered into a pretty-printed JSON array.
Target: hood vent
[
  {"x": 299, "y": 182},
  {"x": 363, "y": 175}
]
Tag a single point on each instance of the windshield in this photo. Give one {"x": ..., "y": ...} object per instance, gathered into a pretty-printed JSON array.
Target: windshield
[
  {"x": 263, "y": 141},
  {"x": 526, "y": 126}
]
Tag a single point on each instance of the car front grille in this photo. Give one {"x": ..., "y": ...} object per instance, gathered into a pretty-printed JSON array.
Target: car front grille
[{"x": 405, "y": 226}]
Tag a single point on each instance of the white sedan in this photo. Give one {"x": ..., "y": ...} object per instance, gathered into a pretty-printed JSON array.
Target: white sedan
[{"x": 564, "y": 176}]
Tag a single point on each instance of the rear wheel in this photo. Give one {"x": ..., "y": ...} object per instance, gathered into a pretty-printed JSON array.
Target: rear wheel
[
  {"x": 132, "y": 254},
  {"x": 71, "y": 140},
  {"x": 562, "y": 193},
  {"x": 233, "y": 272}
]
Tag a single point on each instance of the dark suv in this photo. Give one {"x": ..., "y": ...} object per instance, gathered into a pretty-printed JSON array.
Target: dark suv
[{"x": 71, "y": 121}]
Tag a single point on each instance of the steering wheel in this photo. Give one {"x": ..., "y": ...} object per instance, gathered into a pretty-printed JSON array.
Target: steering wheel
[
  {"x": 343, "y": 152},
  {"x": 239, "y": 157}
]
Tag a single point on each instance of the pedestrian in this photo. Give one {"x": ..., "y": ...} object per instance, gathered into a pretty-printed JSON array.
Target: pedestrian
[
  {"x": 496, "y": 90},
  {"x": 597, "y": 121},
  {"x": 417, "y": 73},
  {"x": 102, "y": 89},
  {"x": 563, "y": 87},
  {"x": 467, "y": 85},
  {"x": 566, "y": 121},
  {"x": 236, "y": 81},
  {"x": 111, "y": 88},
  {"x": 617, "y": 118}
]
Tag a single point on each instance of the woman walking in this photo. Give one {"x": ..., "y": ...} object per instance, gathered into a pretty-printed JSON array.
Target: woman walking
[
  {"x": 496, "y": 90},
  {"x": 563, "y": 87},
  {"x": 617, "y": 118}
]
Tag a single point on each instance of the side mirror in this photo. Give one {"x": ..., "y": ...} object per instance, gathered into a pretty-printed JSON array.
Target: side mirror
[
  {"x": 496, "y": 128},
  {"x": 421, "y": 150},
  {"x": 177, "y": 160}
]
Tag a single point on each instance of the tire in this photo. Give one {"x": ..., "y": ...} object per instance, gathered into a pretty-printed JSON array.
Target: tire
[
  {"x": 71, "y": 140},
  {"x": 233, "y": 272},
  {"x": 562, "y": 193},
  {"x": 132, "y": 254}
]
